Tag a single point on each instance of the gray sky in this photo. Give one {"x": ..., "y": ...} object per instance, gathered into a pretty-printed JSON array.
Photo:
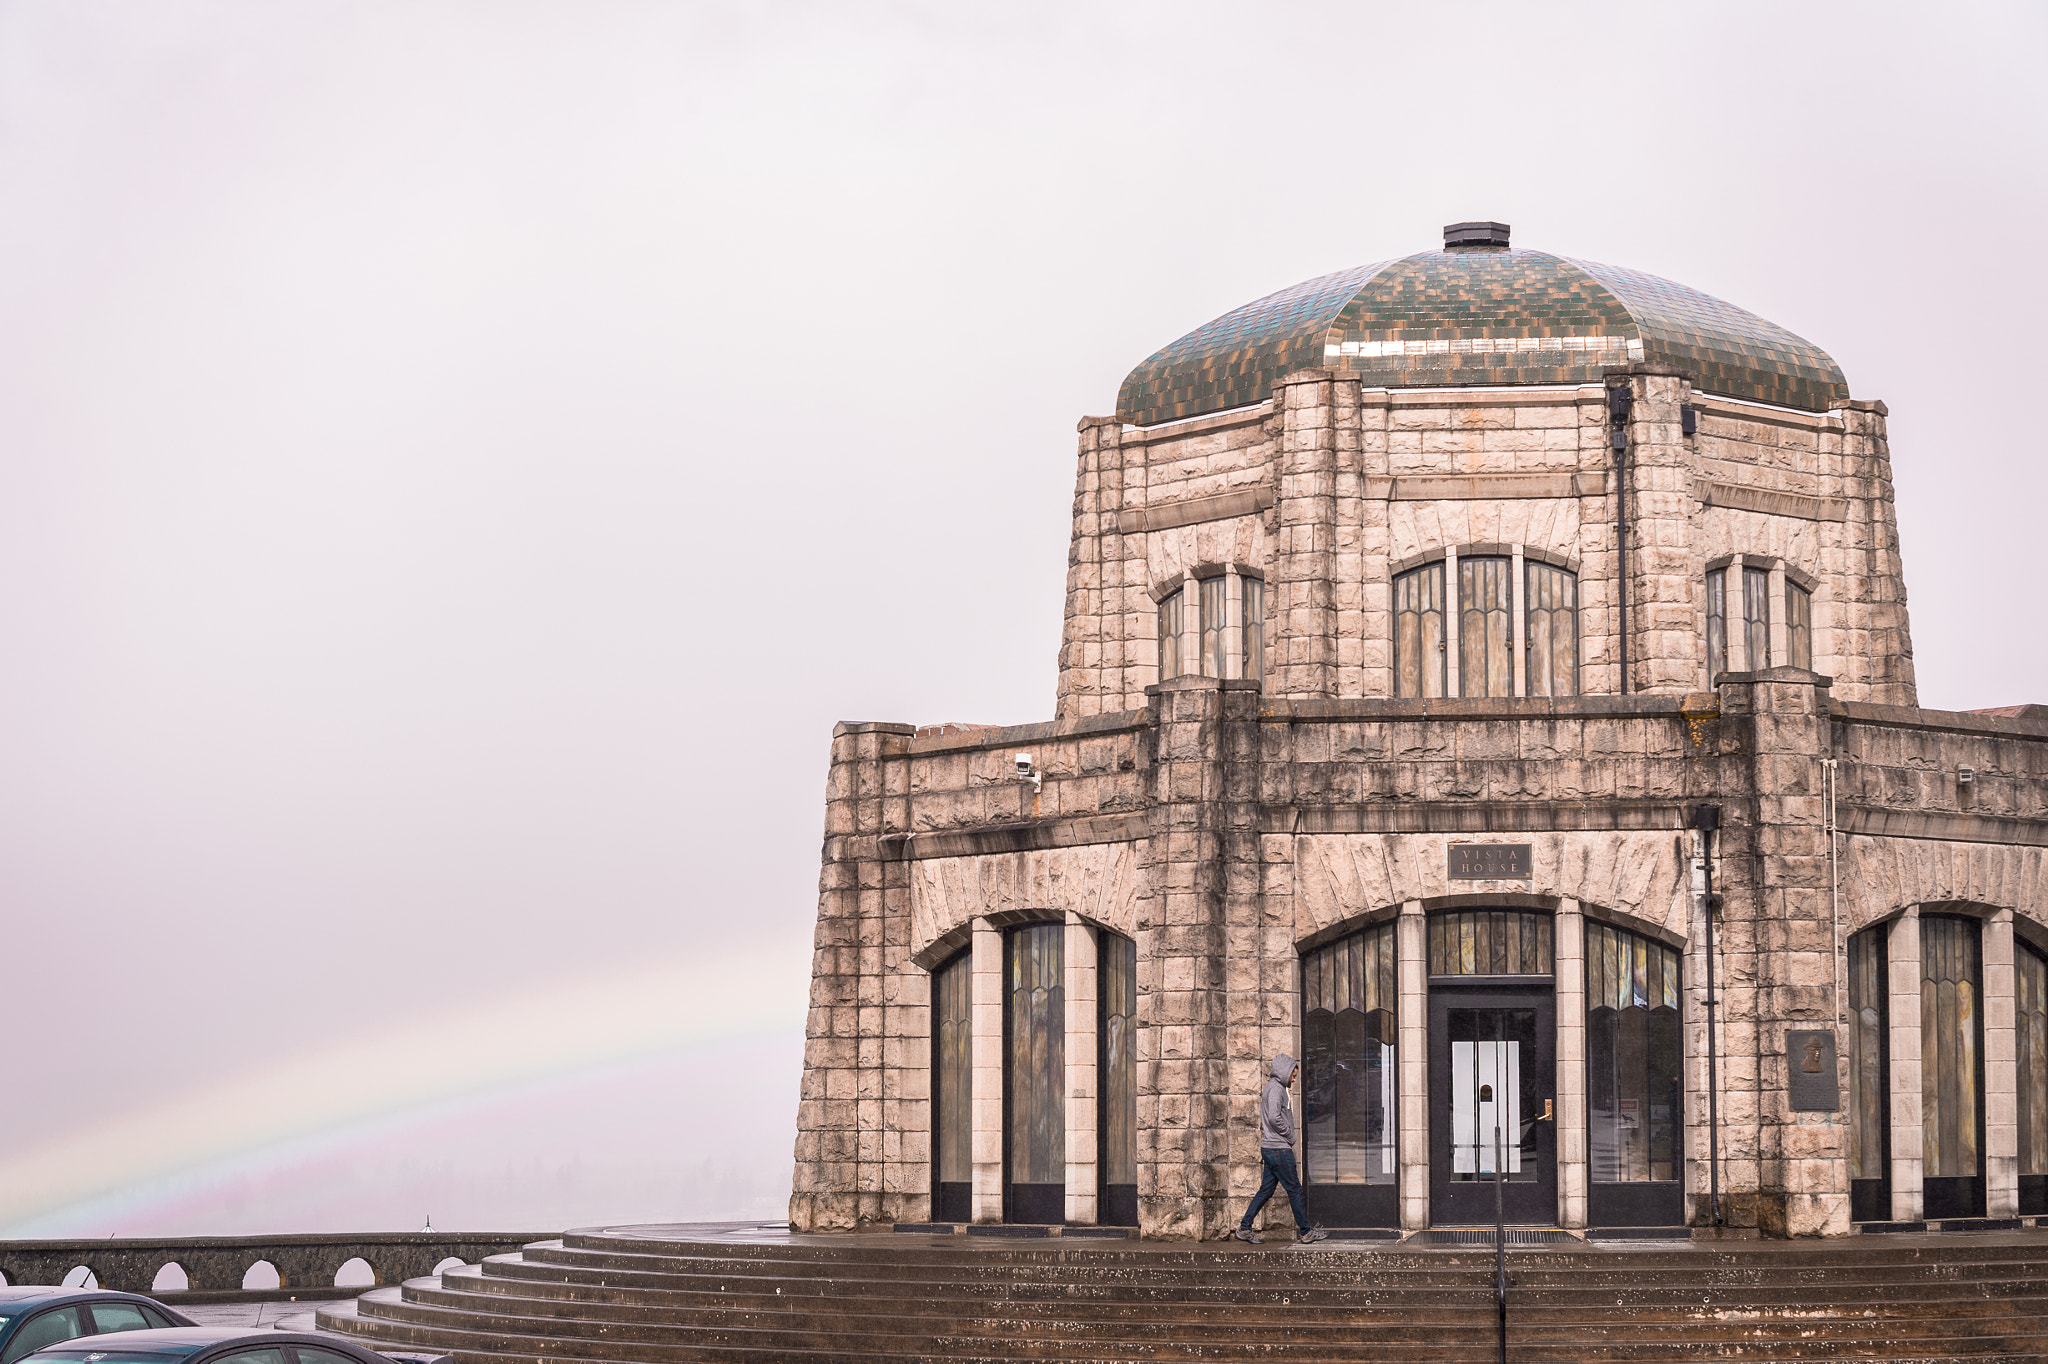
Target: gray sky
[{"x": 458, "y": 460}]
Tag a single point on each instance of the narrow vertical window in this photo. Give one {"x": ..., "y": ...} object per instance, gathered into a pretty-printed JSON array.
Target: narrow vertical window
[
  {"x": 1870, "y": 1122},
  {"x": 1756, "y": 617},
  {"x": 1717, "y": 624},
  {"x": 1553, "y": 630},
  {"x": 1214, "y": 612},
  {"x": 1951, "y": 1066},
  {"x": 1799, "y": 625},
  {"x": 2030, "y": 1026},
  {"x": 1632, "y": 1058},
  {"x": 1485, "y": 628},
  {"x": 1116, "y": 990},
  {"x": 1254, "y": 628},
  {"x": 1420, "y": 663},
  {"x": 1036, "y": 1020},
  {"x": 953, "y": 1090},
  {"x": 1169, "y": 634},
  {"x": 1348, "y": 1073}
]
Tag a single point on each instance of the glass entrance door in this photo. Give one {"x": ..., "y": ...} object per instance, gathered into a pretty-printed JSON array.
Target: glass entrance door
[{"x": 1492, "y": 1083}]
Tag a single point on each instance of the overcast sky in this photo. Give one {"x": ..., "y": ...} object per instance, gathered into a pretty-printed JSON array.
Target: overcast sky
[{"x": 458, "y": 460}]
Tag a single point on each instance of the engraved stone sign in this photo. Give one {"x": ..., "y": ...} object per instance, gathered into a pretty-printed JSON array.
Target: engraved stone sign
[
  {"x": 1810, "y": 1068},
  {"x": 1490, "y": 861}
]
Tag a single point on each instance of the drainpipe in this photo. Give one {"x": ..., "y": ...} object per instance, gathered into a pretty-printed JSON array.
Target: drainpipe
[
  {"x": 1619, "y": 399},
  {"x": 1705, "y": 820}
]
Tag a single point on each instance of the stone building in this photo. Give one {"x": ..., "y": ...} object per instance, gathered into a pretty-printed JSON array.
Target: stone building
[{"x": 1487, "y": 677}]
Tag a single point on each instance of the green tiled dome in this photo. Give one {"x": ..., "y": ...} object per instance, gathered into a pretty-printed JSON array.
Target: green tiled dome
[{"x": 1479, "y": 315}]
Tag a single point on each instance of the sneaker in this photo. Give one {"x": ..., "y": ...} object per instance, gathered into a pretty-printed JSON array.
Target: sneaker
[
  {"x": 1247, "y": 1234},
  {"x": 1311, "y": 1236}
]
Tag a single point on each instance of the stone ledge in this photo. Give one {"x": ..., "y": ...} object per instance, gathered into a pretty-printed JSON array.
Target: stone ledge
[
  {"x": 1952, "y": 721},
  {"x": 1485, "y": 487},
  {"x": 1285, "y": 710},
  {"x": 1799, "y": 506},
  {"x": 1013, "y": 838},
  {"x": 1189, "y": 511},
  {"x": 1472, "y": 817},
  {"x": 1942, "y": 826},
  {"x": 1040, "y": 731}
]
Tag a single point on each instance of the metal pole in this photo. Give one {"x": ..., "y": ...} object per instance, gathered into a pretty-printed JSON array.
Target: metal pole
[
  {"x": 1706, "y": 819},
  {"x": 1500, "y": 1236}
]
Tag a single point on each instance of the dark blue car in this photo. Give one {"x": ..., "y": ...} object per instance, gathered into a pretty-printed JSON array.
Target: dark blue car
[{"x": 32, "y": 1318}]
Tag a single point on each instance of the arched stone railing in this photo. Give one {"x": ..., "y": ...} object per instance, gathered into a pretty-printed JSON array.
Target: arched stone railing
[{"x": 215, "y": 1264}]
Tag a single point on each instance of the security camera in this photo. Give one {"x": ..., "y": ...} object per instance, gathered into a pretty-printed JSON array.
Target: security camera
[
  {"x": 1023, "y": 764},
  {"x": 1026, "y": 772}
]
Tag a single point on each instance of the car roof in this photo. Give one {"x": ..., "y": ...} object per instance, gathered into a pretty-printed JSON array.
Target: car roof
[
  {"x": 34, "y": 1295},
  {"x": 188, "y": 1340}
]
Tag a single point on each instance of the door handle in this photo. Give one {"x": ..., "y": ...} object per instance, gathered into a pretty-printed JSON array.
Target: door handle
[{"x": 1548, "y": 1111}]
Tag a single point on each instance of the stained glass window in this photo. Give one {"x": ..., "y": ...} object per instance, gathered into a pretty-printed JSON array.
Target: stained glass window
[
  {"x": 1170, "y": 619},
  {"x": 1799, "y": 626},
  {"x": 2030, "y": 1020},
  {"x": 1717, "y": 624},
  {"x": 953, "y": 1060},
  {"x": 1869, "y": 1028},
  {"x": 1420, "y": 663},
  {"x": 1633, "y": 1097},
  {"x": 1254, "y": 627},
  {"x": 1116, "y": 977},
  {"x": 1348, "y": 1072},
  {"x": 1485, "y": 627},
  {"x": 1756, "y": 618},
  {"x": 1951, "y": 1033},
  {"x": 1489, "y": 942},
  {"x": 1037, "y": 1022},
  {"x": 1553, "y": 630}
]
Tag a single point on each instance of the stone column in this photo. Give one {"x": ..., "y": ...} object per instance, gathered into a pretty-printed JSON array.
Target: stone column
[
  {"x": 841, "y": 1172},
  {"x": 1902, "y": 951},
  {"x": 1569, "y": 944},
  {"x": 2001, "y": 1072},
  {"x": 1093, "y": 650},
  {"x": 1454, "y": 684},
  {"x": 1411, "y": 944},
  {"x": 1078, "y": 970},
  {"x": 1875, "y": 646},
  {"x": 1303, "y": 582},
  {"x": 987, "y": 1006},
  {"x": 1377, "y": 621}
]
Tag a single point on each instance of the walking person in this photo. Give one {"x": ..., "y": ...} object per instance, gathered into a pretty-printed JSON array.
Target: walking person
[{"x": 1276, "y": 1153}]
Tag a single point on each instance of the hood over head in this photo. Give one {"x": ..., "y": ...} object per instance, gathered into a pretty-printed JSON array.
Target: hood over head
[{"x": 1283, "y": 1066}]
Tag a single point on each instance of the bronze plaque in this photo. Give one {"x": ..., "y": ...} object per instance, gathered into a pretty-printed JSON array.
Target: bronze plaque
[
  {"x": 1490, "y": 861},
  {"x": 1810, "y": 1072}
]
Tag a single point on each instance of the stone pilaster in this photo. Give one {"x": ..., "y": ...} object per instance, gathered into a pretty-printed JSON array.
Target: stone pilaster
[
  {"x": 2001, "y": 1071},
  {"x": 1304, "y": 588},
  {"x": 986, "y": 1003},
  {"x": 840, "y": 1149},
  {"x": 1569, "y": 945},
  {"x": 1078, "y": 960},
  {"x": 1876, "y": 643},
  {"x": 1094, "y": 647},
  {"x": 1902, "y": 950},
  {"x": 1664, "y": 650},
  {"x": 1376, "y": 624},
  {"x": 1411, "y": 945}
]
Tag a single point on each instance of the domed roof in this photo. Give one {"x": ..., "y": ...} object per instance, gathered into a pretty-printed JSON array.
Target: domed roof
[{"x": 1479, "y": 314}]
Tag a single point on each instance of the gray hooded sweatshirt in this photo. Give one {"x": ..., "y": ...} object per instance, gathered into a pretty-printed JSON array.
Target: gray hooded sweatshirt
[{"x": 1276, "y": 1113}]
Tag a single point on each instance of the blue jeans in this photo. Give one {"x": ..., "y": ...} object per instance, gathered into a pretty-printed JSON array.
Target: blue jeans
[{"x": 1279, "y": 1170}]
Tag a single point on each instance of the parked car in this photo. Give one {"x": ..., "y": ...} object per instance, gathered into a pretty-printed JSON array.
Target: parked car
[
  {"x": 31, "y": 1318},
  {"x": 219, "y": 1345}
]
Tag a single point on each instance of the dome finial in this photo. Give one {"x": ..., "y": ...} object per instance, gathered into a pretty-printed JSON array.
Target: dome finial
[{"x": 1475, "y": 234}]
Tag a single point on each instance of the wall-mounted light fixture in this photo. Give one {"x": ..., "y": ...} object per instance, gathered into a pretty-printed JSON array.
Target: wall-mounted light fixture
[{"x": 1688, "y": 419}]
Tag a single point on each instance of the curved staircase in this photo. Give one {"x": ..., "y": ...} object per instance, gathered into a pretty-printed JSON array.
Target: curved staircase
[{"x": 720, "y": 1293}]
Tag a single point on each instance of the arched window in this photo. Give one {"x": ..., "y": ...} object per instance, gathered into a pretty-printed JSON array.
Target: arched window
[
  {"x": 1420, "y": 666},
  {"x": 2031, "y": 1033},
  {"x": 1951, "y": 1067},
  {"x": 1348, "y": 1033},
  {"x": 952, "y": 1090},
  {"x": 1756, "y": 618},
  {"x": 1634, "y": 1110},
  {"x": 1870, "y": 1120},
  {"x": 1226, "y": 636},
  {"x": 1116, "y": 993}
]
